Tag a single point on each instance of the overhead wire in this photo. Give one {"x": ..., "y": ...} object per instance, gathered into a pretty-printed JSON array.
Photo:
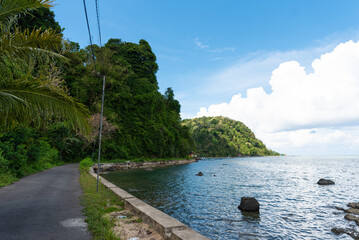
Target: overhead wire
[{"x": 90, "y": 36}]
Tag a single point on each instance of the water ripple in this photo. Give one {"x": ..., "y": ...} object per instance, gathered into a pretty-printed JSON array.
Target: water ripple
[{"x": 293, "y": 206}]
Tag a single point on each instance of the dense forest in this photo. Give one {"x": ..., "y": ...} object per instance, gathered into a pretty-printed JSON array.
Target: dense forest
[
  {"x": 221, "y": 136},
  {"x": 50, "y": 97}
]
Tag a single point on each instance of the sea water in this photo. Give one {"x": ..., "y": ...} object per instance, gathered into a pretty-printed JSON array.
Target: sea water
[{"x": 292, "y": 204}]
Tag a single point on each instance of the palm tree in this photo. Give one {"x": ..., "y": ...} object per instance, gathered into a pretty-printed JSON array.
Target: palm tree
[{"x": 23, "y": 97}]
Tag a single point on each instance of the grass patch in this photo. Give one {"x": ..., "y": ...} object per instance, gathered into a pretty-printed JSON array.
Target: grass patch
[
  {"x": 7, "y": 178},
  {"x": 96, "y": 204}
]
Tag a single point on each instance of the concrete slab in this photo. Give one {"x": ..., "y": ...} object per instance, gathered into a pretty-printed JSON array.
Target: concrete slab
[
  {"x": 186, "y": 234},
  {"x": 122, "y": 193},
  {"x": 157, "y": 219}
]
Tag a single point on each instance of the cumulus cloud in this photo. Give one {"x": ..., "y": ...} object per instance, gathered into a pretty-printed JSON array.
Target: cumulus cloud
[{"x": 302, "y": 106}]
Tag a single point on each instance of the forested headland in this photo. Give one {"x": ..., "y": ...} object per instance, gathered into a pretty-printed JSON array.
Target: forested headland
[{"x": 221, "y": 137}]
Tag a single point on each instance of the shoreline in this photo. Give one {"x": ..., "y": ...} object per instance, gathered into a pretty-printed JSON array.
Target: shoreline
[
  {"x": 111, "y": 167},
  {"x": 167, "y": 226}
]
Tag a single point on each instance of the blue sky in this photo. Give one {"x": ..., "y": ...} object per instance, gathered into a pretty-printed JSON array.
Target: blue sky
[{"x": 210, "y": 51}]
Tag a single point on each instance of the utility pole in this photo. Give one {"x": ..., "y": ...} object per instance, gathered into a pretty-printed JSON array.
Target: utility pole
[{"x": 99, "y": 144}]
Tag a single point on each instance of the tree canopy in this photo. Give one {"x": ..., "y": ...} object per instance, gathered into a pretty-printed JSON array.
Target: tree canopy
[{"x": 221, "y": 136}]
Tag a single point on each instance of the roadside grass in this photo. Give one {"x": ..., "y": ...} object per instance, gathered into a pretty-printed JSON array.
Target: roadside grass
[
  {"x": 7, "y": 178},
  {"x": 97, "y": 204}
]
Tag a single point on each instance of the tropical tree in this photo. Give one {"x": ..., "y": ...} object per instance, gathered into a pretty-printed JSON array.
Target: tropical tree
[{"x": 26, "y": 93}]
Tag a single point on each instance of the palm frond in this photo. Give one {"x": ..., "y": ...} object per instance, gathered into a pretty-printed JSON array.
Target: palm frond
[
  {"x": 20, "y": 44},
  {"x": 33, "y": 103},
  {"x": 11, "y": 8}
]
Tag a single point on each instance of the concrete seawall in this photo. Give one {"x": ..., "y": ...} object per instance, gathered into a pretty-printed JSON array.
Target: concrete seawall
[{"x": 167, "y": 226}]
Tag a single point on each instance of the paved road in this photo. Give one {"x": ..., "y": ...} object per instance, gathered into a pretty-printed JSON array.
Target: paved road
[{"x": 43, "y": 206}]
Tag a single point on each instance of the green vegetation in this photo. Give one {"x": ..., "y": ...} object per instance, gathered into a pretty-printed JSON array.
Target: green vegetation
[
  {"x": 24, "y": 151},
  {"x": 220, "y": 136},
  {"x": 50, "y": 96},
  {"x": 140, "y": 121},
  {"x": 97, "y": 204},
  {"x": 30, "y": 91}
]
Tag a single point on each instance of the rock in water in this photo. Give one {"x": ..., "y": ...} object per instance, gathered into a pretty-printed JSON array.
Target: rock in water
[
  {"x": 352, "y": 210},
  {"x": 353, "y": 205},
  {"x": 199, "y": 174},
  {"x": 249, "y": 204},
  {"x": 325, "y": 182},
  {"x": 351, "y": 217}
]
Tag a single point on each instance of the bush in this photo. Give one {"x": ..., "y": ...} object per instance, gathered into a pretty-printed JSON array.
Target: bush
[
  {"x": 24, "y": 152},
  {"x": 85, "y": 164}
]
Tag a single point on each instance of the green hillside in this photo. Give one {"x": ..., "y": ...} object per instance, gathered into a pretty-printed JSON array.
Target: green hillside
[{"x": 221, "y": 136}]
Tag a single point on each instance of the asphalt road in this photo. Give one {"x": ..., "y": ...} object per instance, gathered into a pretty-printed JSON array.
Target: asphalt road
[{"x": 45, "y": 205}]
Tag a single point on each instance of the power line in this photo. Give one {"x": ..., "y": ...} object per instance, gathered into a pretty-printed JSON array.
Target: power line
[
  {"x": 90, "y": 37},
  {"x": 98, "y": 21}
]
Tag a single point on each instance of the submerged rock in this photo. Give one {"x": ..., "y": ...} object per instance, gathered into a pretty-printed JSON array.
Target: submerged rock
[
  {"x": 249, "y": 204},
  {"x": 149, "y": 169},
  {"x": 199, "y": 174},
  {"x": 325, "y": 182}
]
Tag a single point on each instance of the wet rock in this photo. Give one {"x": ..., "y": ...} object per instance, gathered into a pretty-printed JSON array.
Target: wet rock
[
  {"x": 111, "y": 168},
  {"x": 351, "y": 217},
  {"x": 95, "y": 170},
  {"x": 353, "y": 211},
  {"x": 351, "y": 232},
  {"x": 340, "y": 209},
  {"x": 325, "y": 182},
  {"x": 338, "y": 230},
  {"x": 357, "y": 222},
  {"x": 199, "y": 174},
  {"x": 353, "y": 205},
  {"x": 249, "y": 204}
]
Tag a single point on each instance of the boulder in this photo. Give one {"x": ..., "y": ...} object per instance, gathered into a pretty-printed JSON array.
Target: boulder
[
  {"x": 199, "y": 174},
  {"x": 351, "y": 232},
  {"x": 325, "y": 182},
  {"x": 351, "y": 217},
  {"x": 338, "y": 230},
  {"x": 353, "y": 211},
  {"x": 353, "y": 205},
  {"x": 340, "y": 209},
  {"x": 249, "y": 204}
]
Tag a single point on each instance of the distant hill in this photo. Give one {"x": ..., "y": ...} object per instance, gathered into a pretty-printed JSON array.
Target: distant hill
[{"x": 221, "y": 136}]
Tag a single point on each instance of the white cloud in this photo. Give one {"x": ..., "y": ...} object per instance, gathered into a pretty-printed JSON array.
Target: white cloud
[
  {"x": 200, "y": 44},
  {"x": 303, "y": 105}
]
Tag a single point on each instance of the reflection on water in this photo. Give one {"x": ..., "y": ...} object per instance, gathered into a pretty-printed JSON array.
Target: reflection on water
[{"x": 293, "y": 206}]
